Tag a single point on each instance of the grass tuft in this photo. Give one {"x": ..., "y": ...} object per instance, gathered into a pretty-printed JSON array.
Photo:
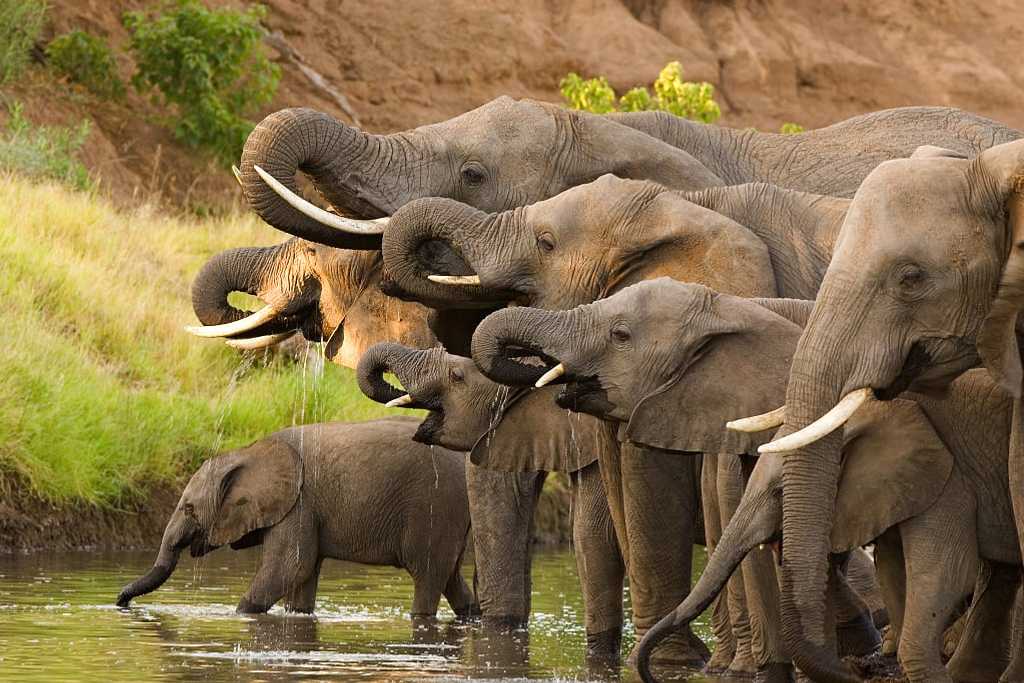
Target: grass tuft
[{"x": 101, "y": 391}]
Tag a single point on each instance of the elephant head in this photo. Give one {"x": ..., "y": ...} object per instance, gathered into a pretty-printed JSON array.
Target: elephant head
[
  {"x": 503, "y": 154},
  {"x": 579, "y": 246},
  {"x": 328, "y": 294},
  {"x": 517, "y": 430},
  {"x": 926, "y": 280},
  {"x": 230, "y": 500}
]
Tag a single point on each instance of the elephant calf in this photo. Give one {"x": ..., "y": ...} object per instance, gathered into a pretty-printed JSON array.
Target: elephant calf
[{"x": 361, "y": 492}]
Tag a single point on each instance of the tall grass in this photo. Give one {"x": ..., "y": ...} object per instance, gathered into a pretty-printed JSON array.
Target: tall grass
[{"x": 101, "y": 392}]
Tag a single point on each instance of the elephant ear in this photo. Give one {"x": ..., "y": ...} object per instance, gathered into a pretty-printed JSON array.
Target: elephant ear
[
  {"x": 740, "y": 371},
  {"x": 533, "y": 434},
  {"x": 259, "y": 486},
  {"x": 894, "y": 467},
  {"x": 997, "y": 339},
  {"x": 932, "y": 152}
]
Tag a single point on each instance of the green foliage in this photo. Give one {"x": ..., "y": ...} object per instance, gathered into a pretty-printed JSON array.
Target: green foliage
[
  {"x": 103, "y": 393},
  {"x": 671, "y": 93},
  {"x": 20, "y": 24},
  {"x": 209, "y": 65},
  {"x": 86, "y": 59},
  {"x": 43, "y": 152},
  {"x": 791, "y": 128}
]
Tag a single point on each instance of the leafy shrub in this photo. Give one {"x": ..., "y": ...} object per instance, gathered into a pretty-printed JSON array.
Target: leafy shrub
[
  {"x": 20, "y": 24},
  {"x": 44, "y": 151},
  {"x": 791, "y": 128},
  {"x": 86, "y": 59},
  {"x": 209, "y": 65},
  {"x": 671, "y": 93}
]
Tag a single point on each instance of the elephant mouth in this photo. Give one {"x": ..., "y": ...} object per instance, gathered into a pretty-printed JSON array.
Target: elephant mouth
[
  {"x": 585, "y": 395},
  {"x": 930, "y": 366},
  {"x": 429, "y": 430}
]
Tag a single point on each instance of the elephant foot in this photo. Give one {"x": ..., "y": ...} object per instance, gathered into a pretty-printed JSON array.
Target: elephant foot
[
  {"x": 680, "y": 650},
  {"x": 775, "y": 672},
  {"x": 246, "y": 606},
  {"x": 470, "y": 612},
  {"x": 742, "y": 666},
  {"x": 720, "y": 661},
  {"x": 604, "y": 646},
  {"x": 858, "y": 637},
  {"x": 502, "y": 624},
  {"x": 890, "y": 642}
]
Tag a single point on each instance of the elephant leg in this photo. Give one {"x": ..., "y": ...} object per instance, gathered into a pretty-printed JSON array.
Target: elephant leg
[
  {"x": 721, "y": 625},
  {"x": 501, "y": 507},
  {"x": 856, "y": 634},
  {"x": 892, "y": 582},
  {"x": 290, "y": 556},
  {"x": 302, "y": 598},
  {"x": 983, "y": 652},
  {"x": 940, "y": 550},
  {"x": 729, "y": 487},
  {"x": 1015, "y": 671},
  {"x": 661, "y": 493},
  {"x": 598, "y": 563},
  {"x": 610, "y": 464},
  {"x": 460, "y": 598}
]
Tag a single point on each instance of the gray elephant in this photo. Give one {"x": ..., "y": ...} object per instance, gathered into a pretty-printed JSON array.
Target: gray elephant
[
  {"x": 314, "y": 492},
  {"x": 469, "y": 412},
  {"x": 940, "y": 506},
  {"x": 510, "y": 153},
  {"x": 925, "y": 282}
]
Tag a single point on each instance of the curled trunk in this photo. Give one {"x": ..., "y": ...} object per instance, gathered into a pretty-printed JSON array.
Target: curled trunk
[
  {"x": 236, "y": 270},
  {"x": 413, "y": 367},
  {"x": 327, "y": 151},
  {"x": 439, "y": 236},
  {"x": 510, "y": 334}
]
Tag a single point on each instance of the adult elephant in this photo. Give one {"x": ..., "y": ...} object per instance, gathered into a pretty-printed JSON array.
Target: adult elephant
[
  {"x": 926, "y": 281},
  {"x": 468, "y": 412},
  {"x": 509, "y": 153},
  {"x": 927, "y": 478},
  {"x": 333, "y": 295}
]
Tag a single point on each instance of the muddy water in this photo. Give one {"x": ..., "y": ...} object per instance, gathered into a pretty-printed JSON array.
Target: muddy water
[{"x": 58, "y": 623}]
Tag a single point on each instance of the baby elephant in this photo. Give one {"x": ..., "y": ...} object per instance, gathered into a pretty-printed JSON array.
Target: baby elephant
[{"x": 361, "y": 492}]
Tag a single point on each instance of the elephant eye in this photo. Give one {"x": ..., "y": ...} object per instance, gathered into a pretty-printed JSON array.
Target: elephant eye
[
  {"x": 546, "y": 242},
  {"x": 621, "y": 334},
  {"x": 910, "y": 278},
  {"x": 457, "y": 375},
  {"x": 473, "y": 174}
]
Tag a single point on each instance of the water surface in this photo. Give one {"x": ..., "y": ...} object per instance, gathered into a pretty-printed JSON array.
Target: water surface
[{"x": 58, "y": 623}]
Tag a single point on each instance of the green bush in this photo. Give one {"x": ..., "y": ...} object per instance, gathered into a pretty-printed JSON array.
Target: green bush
[
  {"x": 86, "y": 59},
  {"x": 20, "y": 24},
  {"x": 209, "y": 65},
  {"x": 790, "y": 128},
  {"x": 44, "y": 151},
  {"x": 671, "y": 93}
]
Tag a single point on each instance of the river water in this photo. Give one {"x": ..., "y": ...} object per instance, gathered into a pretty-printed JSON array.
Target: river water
[{"x": 58, "y": 623}]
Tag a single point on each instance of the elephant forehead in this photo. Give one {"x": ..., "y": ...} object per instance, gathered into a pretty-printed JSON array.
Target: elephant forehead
[{"x": 902, "y": 194}]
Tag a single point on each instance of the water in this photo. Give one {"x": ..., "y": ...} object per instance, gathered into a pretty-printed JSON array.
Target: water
[{"x": 58, "y": 623}]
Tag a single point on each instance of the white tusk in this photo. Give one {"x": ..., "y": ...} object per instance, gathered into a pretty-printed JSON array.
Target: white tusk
[
  {"x": 370, "y": 227},
  {"x": 249, "y": 322},
  {"x": 758, "y": 423},
  {"x": 254, "y": 343},
  {"x": 760, "y": 546},
  {"x": 550, "y": 376},
  {"x": 824, "y": 425},
  {"x": 455, "y": 279},
  {"x": 238, "y": 174},
  {"x": 403, "y": 400}
]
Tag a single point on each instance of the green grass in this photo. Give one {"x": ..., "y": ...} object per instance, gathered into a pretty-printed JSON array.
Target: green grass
[
  {"x": 49, "y": 152},
  {"x": 101, "y": 391}
]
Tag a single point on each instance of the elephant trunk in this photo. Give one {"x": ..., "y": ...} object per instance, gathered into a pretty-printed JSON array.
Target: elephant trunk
[
  {"x": 331, "y": 154},
  {"x": 443, "y": 237},
  {"x": 240, "y": 270},
  {"x": 756, "y": 521},
  {"x": 177, "y": 536},
  {"x": 413, "y": 367},
  {"x": 506, "y": 335}
]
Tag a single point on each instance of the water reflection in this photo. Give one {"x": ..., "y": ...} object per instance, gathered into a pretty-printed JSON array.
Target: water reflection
[{"x": 57, "y": 622}]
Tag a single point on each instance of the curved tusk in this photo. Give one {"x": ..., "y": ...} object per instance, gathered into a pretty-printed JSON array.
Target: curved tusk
[
  {"x": 403, "y": 400},
  {"x": 758, "y": 423},
  {"x": 455, "y": 279},
  {"x": 238, "y": 174},
  {"x": 359, "y": 227},
  {"x": 550, "y": 376},
  {"x": 249, "y": 322},
  {"x": 255, "y": 343},
  {"x": 824, "y": 425}
]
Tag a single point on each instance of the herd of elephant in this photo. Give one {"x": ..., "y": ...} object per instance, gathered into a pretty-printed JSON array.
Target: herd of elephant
[{"x": 788, "y": 347}]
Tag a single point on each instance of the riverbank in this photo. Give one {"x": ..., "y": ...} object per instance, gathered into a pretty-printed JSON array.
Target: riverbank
[{"x": 106, "y": 405}]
